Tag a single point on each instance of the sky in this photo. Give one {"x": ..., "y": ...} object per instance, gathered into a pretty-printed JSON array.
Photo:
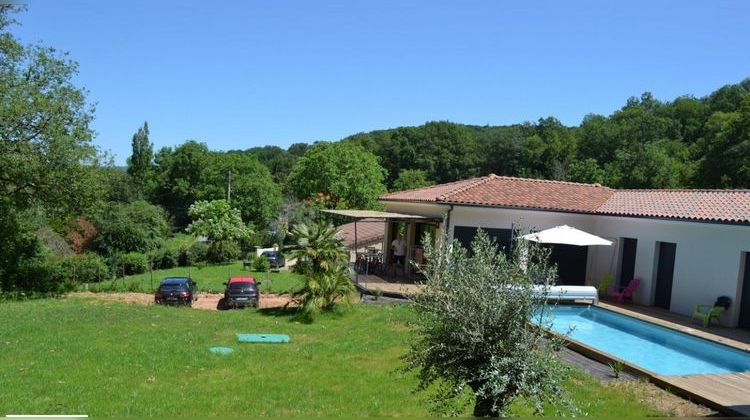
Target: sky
[{"x": 239, "y": 74}]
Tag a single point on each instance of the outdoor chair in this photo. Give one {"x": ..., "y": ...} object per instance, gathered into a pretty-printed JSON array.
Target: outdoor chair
[
  {"x": 605, "y": 285},
  {"x": 705, "y": 313},
  {"x": 627, "y": 292}
]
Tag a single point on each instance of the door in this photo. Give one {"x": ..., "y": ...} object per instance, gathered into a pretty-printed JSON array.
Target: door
[
  {"x": 744, "y": 321},
  {"x": 664, "y": 275},
  {"x": 627, "y": 261},
  {"x": 571, "y": 264}
]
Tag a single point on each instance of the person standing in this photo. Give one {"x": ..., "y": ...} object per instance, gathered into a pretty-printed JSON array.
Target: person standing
[{"x": 399, "y": 250}]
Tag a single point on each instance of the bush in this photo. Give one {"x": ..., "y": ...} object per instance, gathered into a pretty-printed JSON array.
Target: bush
[
  {"x": 222, "y": 251},
  {"x": 197, "y": 253},
  {"x": 43, "y": 275},
  {"x": 130, "y": 227},
  {"x": 165, "y": 258},
  {"x": 85, "y": 268},
  {"x": 133, "y": 263},
  {"x": 261, "y": 263}
]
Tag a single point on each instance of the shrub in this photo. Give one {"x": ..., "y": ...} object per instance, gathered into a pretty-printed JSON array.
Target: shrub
[
  {"x": 130, "y": 227},
  {"x": 197, "y": 252},
  {"x": 322, "y": 290},
  {"x": 85, "y": 268},
  {"x": 165, "y": 258},
  {"x": 133, "y": 263},
  {"x": 41, "y": 274},
  {"x": 470, "y": 327},
  {"x": 222, "y": 251},
  {"x": 261, "y": 263}
]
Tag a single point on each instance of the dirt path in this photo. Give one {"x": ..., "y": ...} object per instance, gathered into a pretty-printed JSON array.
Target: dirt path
[{"x": 206, "y": 301}]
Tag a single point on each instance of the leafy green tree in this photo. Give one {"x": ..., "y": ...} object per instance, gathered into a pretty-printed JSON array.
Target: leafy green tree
[
  {"x": 46, "y": 151},
  {"x": 217, "y": 221},
  {"x": 549, "y": 150},
  {"x": 130, "y": 227},
  {"x": 502, "y": 149},
  {"x": 345, "y": 174},
  {"x": 254, "y": 191},
  {"x": 191, "y": 172},
  {"x": 472, "y": 332},
  {"x": 651, "y": 165},
  {"x": 140, "y": 162},
  {"x": 409, "y": 179},
  {"x": 725, "y": 149},
  {"x": 586, "y": 171}
]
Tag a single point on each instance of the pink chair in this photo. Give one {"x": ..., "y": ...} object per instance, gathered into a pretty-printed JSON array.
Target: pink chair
[{"x": 627, "y": 291}]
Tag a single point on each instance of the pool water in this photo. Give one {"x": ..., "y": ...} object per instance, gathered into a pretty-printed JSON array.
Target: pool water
[{"x": 650, "y": 346}]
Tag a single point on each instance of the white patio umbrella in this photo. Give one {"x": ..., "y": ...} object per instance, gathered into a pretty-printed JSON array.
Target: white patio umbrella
[{"x": 566, "y": 235}]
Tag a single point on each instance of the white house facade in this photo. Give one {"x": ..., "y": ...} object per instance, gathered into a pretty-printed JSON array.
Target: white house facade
[{"x": 687, "y": 247}]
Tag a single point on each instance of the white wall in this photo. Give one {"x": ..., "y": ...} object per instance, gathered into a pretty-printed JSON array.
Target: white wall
[{"x": 707, "y": 261}]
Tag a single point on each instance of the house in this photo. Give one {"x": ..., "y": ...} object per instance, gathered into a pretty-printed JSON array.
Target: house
[{"x": 687, "y": 246}]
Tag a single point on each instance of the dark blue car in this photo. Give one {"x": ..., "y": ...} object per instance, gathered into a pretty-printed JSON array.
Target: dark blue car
[{"x": 176, "y": 291}]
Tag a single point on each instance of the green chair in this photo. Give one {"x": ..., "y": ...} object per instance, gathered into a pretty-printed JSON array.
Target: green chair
[
  {"x": 605, "y": 285},
  {"x": 705, "y": 313}
]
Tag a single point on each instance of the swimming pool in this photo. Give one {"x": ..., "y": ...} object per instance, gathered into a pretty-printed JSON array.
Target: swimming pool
[{"x": 650, "y": 346}]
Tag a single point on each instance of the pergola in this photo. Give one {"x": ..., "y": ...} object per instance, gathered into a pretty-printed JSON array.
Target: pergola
[{"x": 365, "y": 216}]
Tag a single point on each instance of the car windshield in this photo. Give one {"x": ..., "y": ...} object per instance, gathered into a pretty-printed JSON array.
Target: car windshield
[
  {"x": 172, "y": 287},
  {"x": 242, "y": 286},
  {"x": 270, "y": 254}
]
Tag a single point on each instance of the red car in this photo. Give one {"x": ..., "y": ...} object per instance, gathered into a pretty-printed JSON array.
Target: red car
[{"x": 241, "y": 292}]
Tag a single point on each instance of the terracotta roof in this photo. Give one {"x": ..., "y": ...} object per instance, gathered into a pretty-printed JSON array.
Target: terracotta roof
[
  {"x": 501, "y": 191},
  {"x": 430, "y": 193},
  {"x": 368, "y": 231},
  {"x": 732, "y": 206},
  {"x": 706, "y": 205}
]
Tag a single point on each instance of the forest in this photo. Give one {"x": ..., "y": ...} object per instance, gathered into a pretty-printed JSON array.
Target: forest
[{"x": 67, "y": 208}]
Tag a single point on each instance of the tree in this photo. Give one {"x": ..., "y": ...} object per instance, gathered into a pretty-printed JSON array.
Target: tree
[
  {"x": 45, "y": 147},
  {"x": 130, "y": 227},
  {"x": 347, "y": 175},
  {"x": 217, "y": 221},
  {"x": 318, "y": 246},
  {"x": 140, "y": 162},
  {"x": 471, "y": 327},
  {"x": 46, "y": 151},
  {"x": 587, "y": 171},
  {"x": 320, "y": 255},
  {"x": 409, "y": 179},
  {"x": 191, "y": 172}
]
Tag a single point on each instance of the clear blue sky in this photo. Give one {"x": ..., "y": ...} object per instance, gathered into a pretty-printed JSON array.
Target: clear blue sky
[{"x": 240, "y": 74}]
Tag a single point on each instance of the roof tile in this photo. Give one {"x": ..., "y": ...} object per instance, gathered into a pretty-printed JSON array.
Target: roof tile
[{"x": 731, "y": 206}]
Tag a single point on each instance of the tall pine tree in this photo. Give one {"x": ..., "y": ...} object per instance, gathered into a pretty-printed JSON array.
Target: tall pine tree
[{"x": 141, "y": 161}]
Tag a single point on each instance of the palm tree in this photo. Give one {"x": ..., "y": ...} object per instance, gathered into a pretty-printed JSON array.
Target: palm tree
[
  {"x": 323, "y": 258},
  {"x": 324, "y": 290},
  {"x": 318, "y": 246}
]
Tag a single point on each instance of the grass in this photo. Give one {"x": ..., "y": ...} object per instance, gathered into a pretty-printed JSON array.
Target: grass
[
  {"x": 83, "y": 355},
  {"x": 210, "y": 278}
]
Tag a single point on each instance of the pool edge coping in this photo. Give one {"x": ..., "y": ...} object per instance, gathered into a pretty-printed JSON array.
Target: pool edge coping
[
  {"x": 735, "y": 344},
  {"x": 662, "y": 381}
]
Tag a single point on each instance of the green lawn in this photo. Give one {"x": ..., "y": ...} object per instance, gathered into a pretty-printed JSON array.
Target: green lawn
[
  {"x": 210, "y": 278},
  {"x": 83, "y": 355}
]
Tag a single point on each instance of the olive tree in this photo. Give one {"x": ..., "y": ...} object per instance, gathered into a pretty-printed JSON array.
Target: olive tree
[{"x": 472, "y": 330}]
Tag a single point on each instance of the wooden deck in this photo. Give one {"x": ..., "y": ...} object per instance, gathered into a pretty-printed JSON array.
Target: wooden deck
[
  {"x": 728, "y": 392},
  {"x": 403, "y": 286}
]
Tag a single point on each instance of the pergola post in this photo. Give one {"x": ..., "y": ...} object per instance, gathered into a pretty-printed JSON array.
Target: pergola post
[{"x": 356, "y": 247}]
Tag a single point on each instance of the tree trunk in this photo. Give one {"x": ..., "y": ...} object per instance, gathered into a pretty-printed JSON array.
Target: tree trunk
[{"x": 483, "y": 408}]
